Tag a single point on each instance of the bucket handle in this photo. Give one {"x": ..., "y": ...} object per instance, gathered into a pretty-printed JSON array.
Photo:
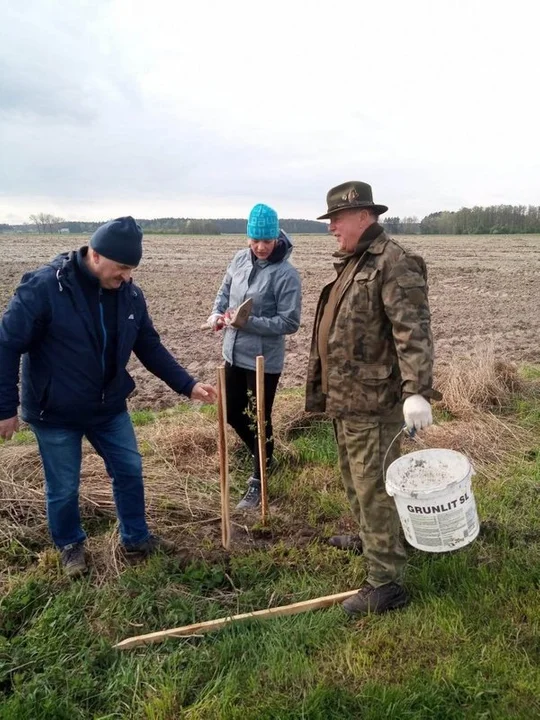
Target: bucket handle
[{"x": 404, "y": 429}]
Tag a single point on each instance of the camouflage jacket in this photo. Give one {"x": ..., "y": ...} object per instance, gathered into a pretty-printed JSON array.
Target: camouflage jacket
[{"x": 380, "y": 347}]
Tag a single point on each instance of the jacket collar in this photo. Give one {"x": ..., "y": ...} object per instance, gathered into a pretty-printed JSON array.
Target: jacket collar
[
  {"x": 66, "y": 263},
  {"x": 281, "y": 251},
  {"x": 380, "y": 242},
  {"x": 370, "y": 241},
  {"x": 79, "y": 261}
]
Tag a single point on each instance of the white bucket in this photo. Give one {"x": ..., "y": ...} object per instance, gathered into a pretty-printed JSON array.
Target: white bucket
[{"x": 433, "y": 495}]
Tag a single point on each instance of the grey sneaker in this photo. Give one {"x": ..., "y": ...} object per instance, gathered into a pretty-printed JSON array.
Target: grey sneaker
[
  {"x": 74, "y": 559},
  {"x": 152, "y": 544},
  {"x": 346, "y": 542},
  {"x": 252, "y": 498},
  {"x": 376, "y": 600}
]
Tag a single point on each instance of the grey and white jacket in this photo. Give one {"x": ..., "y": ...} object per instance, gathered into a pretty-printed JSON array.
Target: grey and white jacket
[{"x": 275, "y": 287}]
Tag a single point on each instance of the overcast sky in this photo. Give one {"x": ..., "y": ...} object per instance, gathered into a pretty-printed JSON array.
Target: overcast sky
[{"x": 201, "y": 109}]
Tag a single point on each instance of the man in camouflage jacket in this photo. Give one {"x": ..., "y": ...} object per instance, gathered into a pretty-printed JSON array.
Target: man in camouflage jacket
[{"x": 370, "y": 368}]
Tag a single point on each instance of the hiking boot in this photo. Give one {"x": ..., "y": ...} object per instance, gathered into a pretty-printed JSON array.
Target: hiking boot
[
  {"x": 346, "y": 542},
  {"x": 74, "y": 559},
  {"x": 377, "y": 600},
  {"x": 152, "y": 544},
  {"x": 252, "y": 498}
]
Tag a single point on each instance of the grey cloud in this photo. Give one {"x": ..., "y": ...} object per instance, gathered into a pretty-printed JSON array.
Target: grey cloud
[
  {"x": 76, "y": 127},
  {"x": 51, "y": 69},
  {"x": 29, "y": 94}
]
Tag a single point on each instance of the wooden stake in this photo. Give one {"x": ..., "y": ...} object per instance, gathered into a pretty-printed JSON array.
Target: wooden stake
[
  {"x": 223, "y": 459},
  {"x": 261, "y": 435},
  {"x": 210, "y": 625}
]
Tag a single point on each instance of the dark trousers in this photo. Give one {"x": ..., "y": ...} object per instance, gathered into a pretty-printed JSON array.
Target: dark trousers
[{"x": 241, "y": 391}]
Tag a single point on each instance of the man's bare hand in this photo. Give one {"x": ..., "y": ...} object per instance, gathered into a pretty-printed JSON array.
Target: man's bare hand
[
  {"x": 203, "y": 392},
  {"x": 9, "y": 427}
]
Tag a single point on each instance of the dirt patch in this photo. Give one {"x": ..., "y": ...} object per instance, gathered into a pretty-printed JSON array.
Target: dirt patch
[{"x": 480, "y": 289}]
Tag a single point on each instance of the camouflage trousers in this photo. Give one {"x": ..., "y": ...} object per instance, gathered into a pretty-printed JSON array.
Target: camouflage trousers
[{"x": 361, "y": 447}]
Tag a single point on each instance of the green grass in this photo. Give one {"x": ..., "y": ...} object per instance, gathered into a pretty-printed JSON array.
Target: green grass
[
  {"x": 317, "y": 444},
  {"x": 468, "y": 646},
  {"x": 530, "y": 372},
  {"x": 22, "y": 437},
  {"x": 142, "y": 417}
]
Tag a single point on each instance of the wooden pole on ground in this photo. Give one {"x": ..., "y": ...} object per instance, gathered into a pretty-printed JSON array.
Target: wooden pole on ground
[
  {"x": 210, "y": 625},
  {"x": 223, "y": 459},
  {"x": 261, "y": 435}
]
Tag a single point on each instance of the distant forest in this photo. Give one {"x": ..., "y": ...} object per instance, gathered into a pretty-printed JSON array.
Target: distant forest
[
  {"x": 45, "y": 223},
  {"x": 496, "y": 220},
  {"x": 493, "y": 220}
]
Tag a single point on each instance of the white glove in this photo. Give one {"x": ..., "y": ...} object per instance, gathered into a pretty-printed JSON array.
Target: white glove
[
  {"x": 215, "y": 320},
  {"x": 417, "y": 412}
]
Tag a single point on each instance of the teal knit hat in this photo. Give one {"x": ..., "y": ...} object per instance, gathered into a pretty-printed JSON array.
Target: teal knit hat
[{"x": 263, "y": 223}]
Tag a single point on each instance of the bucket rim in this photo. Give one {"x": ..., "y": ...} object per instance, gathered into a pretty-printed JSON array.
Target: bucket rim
[{"x": 393, "y": 489}]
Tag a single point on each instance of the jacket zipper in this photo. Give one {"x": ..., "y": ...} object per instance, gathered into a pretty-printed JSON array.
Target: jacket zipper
[{"x": 104, "y": 330}]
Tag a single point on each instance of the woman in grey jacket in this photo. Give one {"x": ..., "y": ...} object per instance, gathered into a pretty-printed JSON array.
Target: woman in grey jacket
[{"x": 263, "y": 273}]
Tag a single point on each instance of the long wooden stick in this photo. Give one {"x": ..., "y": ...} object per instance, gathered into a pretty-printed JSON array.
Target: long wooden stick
[
  {"x": 261, "y": 434},
  {"x": 223, "y": 459},
  {"x": 210, "y": 625}
]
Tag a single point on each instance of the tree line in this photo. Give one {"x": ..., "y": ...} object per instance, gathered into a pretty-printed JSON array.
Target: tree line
[
  {"x": 492, "y": 220},
  {"x": 495, "y": 219},
  {"x": 46, "y": 223}
]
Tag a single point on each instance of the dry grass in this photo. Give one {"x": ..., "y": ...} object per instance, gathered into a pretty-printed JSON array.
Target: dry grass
[
  {"x": 480, "y": 382},
  {"x": 181, "y": 486},
  {"x": 484, "y": 437},
  {"x": 479, "y": 392},
  {"x": 21, "y": 485},
  {"x": 181, "y": 463}
]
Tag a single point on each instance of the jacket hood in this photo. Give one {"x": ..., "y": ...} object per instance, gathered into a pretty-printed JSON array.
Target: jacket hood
[
  {"x": 59, "y": 265},
  {"x": 282, "y": 250},
  {"x": 60, "y": 260}
]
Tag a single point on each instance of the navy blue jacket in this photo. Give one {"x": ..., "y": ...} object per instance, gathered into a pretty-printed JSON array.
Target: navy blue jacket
[{"x": 49, "y": 323}]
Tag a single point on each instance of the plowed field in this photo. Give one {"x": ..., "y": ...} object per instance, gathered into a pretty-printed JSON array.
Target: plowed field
[{"x": 482, "y": 288}]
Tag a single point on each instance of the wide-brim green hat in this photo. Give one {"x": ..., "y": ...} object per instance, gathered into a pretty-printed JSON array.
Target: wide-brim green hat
[{"x": 349, "y": 196}]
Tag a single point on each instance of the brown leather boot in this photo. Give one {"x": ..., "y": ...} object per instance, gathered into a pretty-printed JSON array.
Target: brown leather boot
[{"x": 377, "y": 600}]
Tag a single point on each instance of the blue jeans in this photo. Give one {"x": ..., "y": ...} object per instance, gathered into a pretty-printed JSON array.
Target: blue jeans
[{"x": 61, "y": 452}]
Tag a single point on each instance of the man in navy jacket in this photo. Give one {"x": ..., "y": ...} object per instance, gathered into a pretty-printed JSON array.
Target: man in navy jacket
[{"x": 75, "y": 322}]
